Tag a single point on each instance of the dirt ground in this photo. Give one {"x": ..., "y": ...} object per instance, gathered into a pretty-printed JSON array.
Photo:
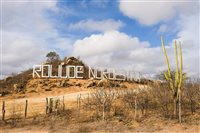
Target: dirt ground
[
  {"x": 107, "y": 127},
  {"x": 151, "y": 124},
  {"x": 37, "y": 100}
]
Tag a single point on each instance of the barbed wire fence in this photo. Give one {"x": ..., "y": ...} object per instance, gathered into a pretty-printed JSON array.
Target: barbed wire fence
[{"x": 26, "y": 108}]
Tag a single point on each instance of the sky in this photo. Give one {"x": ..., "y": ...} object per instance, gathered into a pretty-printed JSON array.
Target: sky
[{"x": 121, "y": 34}]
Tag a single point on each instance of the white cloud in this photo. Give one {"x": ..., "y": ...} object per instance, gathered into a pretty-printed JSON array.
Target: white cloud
[
  {"x": 28, "y": 34},
  {"x": 189, "y": 35},
  {"x": 119, "y": 50},
  {"x": 185, "y": 23},
  {"x": 93, "y": 25},
  {"x": 20, "y": 52},
  {"x": 152, "y": 12},
  {"x": 163, "y": 28},
  {"x": 107, "y": 42}
]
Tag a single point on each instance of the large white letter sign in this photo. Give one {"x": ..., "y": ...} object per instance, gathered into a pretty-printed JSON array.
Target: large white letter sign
[
  {"x": 120, "y": 76},
  {"x": 79, "y": 70},
  {"x": 36, "y": 71},
  {"x": 91, "y": 71},
  {"x": 111, "y": 75},
  {"x": 60, "y": 71},
  {"x": 105, "y": 74},
  {"x": 48, "y": 71},
  {"x": 73, "y": 71},
  {"x": 97, "y": 72},
  {"x": 69, "y": 71},
  {"x": 51, "y": 71}
]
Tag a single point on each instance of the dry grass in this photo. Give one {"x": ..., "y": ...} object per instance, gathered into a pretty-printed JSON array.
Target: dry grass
[
  {"x": 69, "y": 122},
  {"x": 119, "y": 114},
  {"x": 120, "y": 118}
]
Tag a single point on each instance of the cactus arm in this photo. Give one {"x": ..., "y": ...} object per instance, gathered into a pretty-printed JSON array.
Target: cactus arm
[
  {"x": 184, "y": 77},
  {"x": 166, "y": 76},
  {"x": 177, "y": 69},
  {"x": 168, "y": 66},
  {"x": 181, "y": 67},
  {"x": 166, "y": 58}
]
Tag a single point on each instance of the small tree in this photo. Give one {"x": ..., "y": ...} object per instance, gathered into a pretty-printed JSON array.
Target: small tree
[
  {"x": 52, "y": 57},
  {"x": 161, "y": 76}
]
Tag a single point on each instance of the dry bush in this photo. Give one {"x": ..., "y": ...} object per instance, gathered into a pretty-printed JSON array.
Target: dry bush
[
  {"x": 156, "y": 98},
  {"x": 100, "y": 101},
  {"x": 15, "y": 116},
  {"x": 130, "y": 98},
  {"x": 191, "y": 96},
  {"x": 161, "y": 99},
  {"x": 138, "y": 103}
]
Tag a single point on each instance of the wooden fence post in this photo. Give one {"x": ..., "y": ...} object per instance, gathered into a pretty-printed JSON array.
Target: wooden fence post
[
  {"x": 88, "y": 106},
  {"x": 50, "y": 105},
  {"x": 57, "y": 103},
  {"x": 47, "y": 106},
  {"x": 77, "y": 101},
  {"x": 104, "y": 109},
  {"x": 135, "y": 116},
  {"x": 26, "y": 107},
  {"x": 3, "y": 111},
  {"x": 63, "y": 103},
  {"x": 78, "y": 104}
]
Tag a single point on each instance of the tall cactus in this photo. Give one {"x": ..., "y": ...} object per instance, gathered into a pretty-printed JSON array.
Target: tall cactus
[{"x": 176, "y": 82}]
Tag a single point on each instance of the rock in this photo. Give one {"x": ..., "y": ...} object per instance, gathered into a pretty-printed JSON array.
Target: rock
[
  {"x": 91, "y": 83},
  {"x": 43, "y": 81},
  {"x": 8, "y": 78},
  {"x": 4, "y": 91},
  {"x": 64, "y": 83},
  {"x": 103, "y": 83},
  {"x": 45, "y": 84},
  {"x": 53, "y": 85},
  {"x": 32, "y": 91},
  {"x": 57, "y": 84},
  {"x": 18, "y": 88},
  {"x": 107, "y": 83},
  {"x": 48, "y": 89},
  {"x": 123, "y": 86},
  {"x": 78, "y": 84},
  {"x": 145, "y": 81},
  {"x": 15, "y": 86},
  {"x": 157, "y": 82},
  {"x": 114, "y": 84},
  {"x": 91, "y": 79}
]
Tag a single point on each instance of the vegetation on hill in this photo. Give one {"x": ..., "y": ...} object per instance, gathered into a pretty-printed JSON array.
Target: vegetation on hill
[{"x": 17, "y": 82}]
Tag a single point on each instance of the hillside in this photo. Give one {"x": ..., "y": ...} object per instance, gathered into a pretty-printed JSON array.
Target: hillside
[
  {"x": 24, "y": 82},
  {"x": 18, "y": 83},
  {"x": 91, "y": 105}
]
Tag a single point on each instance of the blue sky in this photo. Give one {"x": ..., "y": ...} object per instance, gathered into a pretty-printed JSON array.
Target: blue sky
[
  {"x": 121, "y": 34},
  {"x": 100, "y": 11}
]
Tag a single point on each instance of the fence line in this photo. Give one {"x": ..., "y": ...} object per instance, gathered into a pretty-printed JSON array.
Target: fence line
[
  {"x": 46, "y": 106},
  {"x": 28, "y": 108}
]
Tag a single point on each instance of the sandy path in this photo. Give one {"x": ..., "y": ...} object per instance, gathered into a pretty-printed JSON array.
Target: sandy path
[
  {"x": 69, "y": 97},
  {"x": 36, "y": 105}
]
